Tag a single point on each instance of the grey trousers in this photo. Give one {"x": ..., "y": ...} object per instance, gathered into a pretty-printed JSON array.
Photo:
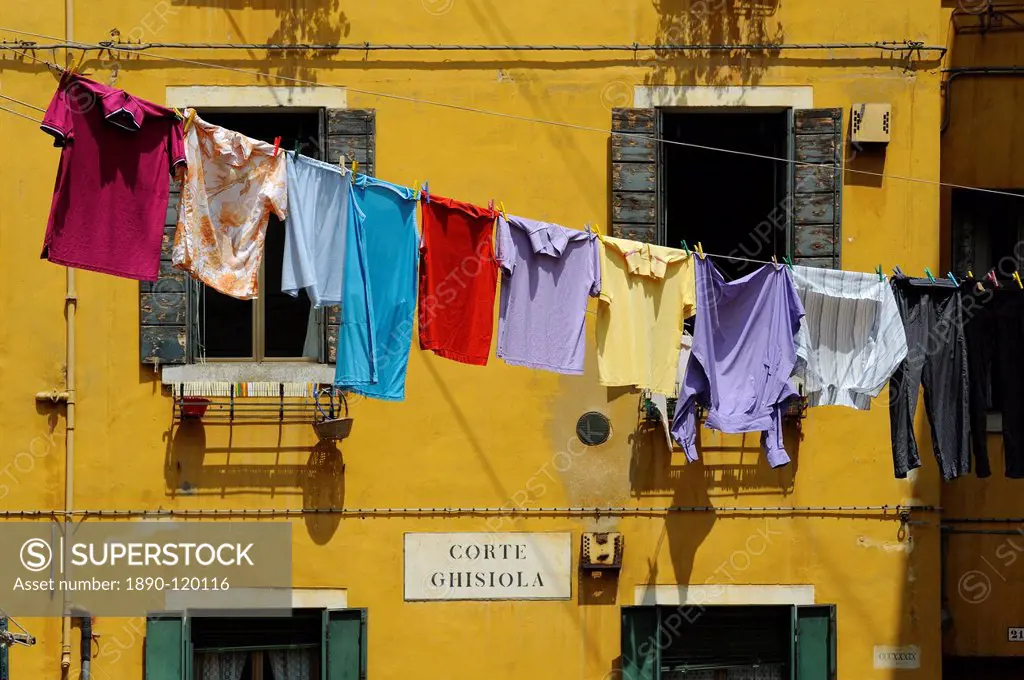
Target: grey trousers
[{"x": 936, "y": 357}]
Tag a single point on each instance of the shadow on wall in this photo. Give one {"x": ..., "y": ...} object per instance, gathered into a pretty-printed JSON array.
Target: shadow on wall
[
  {"x": 320, "y": 481},
  {"x": 714, "y": 22},
  {"x": 319, "y": 22}
]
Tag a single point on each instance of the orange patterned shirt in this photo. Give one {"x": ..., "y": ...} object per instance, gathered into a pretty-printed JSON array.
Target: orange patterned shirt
[{"x": 231, "y": 185}]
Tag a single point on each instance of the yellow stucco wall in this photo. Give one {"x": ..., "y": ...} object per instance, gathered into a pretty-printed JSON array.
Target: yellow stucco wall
[
  {"x": 984, "y": 581},
  {"x": 468, "y": 436}
]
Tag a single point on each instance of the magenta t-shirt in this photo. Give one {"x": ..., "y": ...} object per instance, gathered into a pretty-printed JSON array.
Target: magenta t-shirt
[{"x": 110, "y": 198}]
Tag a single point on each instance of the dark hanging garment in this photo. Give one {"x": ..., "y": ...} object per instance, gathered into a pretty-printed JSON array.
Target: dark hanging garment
[
  {"x": 994, "y": 329},
  {"x": 937, "y": 357}
]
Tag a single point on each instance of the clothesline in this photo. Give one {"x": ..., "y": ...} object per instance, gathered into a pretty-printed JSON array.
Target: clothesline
[
  {"x": 468, "y": 109},
  {"x": 25, "y": 104},
  {"x": 19, "y": 113}
]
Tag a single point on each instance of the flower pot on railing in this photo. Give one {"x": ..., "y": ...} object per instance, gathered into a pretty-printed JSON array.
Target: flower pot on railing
[
  {"x": 194, "y": 407},
  {"x": 330, "y": 425}
]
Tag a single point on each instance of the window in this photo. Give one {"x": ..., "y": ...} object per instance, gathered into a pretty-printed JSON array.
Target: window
[
  {"x": 700, "y": 184},
  {"x": 987, "y": 231},
  {"x": 729, "y": 643},
  {"x": 274, "y": 325},
  {"x": 311, "y": 644},
  {"x": 739, "y": 204},
  {"x": 181, "y": 320}
]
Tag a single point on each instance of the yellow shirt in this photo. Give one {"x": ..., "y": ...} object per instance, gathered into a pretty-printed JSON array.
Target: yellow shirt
[{"x": 647, "y": 291}]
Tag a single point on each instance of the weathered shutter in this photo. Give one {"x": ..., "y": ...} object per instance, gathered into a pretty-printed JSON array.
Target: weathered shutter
[
  {"x": 344, "y": 644},
  {"x": 817, "y": 189},
  {"x": 5, "y": 669},
  {"x": 640, "y": 646},
  {"x": 352, "y": 133},
  {"x": 816, "y": 642},
  {"x": 634, "y": 175},
  {"x": 165, "y": 647},
  {"x": 163, "y": 304}
]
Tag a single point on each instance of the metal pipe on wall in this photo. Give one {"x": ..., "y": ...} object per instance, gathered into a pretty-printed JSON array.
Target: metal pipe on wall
[
  {"x": 974, "y": 71},
  {"x": 70, "y": 306}
]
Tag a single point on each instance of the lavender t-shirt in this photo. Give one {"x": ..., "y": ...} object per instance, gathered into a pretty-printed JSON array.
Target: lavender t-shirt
[
  {"x": 744, "y": 350},
  {"x": 548, "y": 272}
]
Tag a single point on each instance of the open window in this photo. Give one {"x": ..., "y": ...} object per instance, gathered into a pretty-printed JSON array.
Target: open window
[
  {"x": 311, "y": 644},
  {"x": 181, "y": 320},
  {"x": 729, "y": 642},
  {"x": 671, "y": 181}
]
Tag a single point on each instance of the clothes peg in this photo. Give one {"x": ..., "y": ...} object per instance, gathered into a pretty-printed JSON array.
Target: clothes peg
[
  {"x": 416, "y": 190},
  {"x": 355, "y": 167},
  {"x": 991, "y": 276},
  {"x": 426, "y": 190},
  {"x": 277, "y": 145},
  {"x": 341, "y": 161},
  {"x": 700, "y": 250},
  {"x": 970, "y": 274},
  {"x": 775, "y": 262},
  {"x": 501, "y": 205},
  {"x": 685, "y": 246},
  {"x": 928, "y": 273},
  {"x": 953, "y": 279},
  {"x": 597, "y": 229},
  {"x": 77, "y": 68},
  {"x": 298, "y": 145},
  {"x": 1016, "y": 277},
  {"x": 189, "y": 120},
  {"x": 490, "y": 205},
  {"x": 878, "y": 270},
  {"x": 178, "y": 113},
  {"x": 788, "y": 261}
]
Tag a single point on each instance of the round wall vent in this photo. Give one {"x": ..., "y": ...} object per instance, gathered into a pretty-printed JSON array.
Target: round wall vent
[{"x": 593, "y": 428}]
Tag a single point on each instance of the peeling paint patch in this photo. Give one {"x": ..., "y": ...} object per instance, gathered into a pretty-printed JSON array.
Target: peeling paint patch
[{"x": 886, "y": 546}]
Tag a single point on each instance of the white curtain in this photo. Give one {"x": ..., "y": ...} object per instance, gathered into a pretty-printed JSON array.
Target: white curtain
[
  {"x": 221, "y": 666},
  {"x": 291, "y": 664}
]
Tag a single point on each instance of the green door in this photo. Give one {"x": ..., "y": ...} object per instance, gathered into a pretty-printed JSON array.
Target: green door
[{"x": 816, "y": 642}]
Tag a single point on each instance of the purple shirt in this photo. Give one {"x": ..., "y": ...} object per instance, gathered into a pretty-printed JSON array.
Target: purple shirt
[
  {"x": 548, "y": 273},
  {"x": 744, "y": 350}
]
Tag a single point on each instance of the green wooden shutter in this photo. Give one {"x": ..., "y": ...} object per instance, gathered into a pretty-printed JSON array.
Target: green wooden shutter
[
  {"x": 163, "y": 304},
  {"x": 344, "y": 644},
  {"x": 641, "y": 653},
  {"x": 352, "y": 133},
  {"x": 634, "y": 175},
  {"x": 5, "y": 669},
  {"x": 817, "y": 191},
  {"x": 166, "y": 646},
  {"x": 816, "y": 642}
]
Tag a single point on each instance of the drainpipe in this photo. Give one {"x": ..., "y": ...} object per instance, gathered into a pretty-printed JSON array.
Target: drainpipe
[
  {"x": 70, "y": 306},
  {"x": 86, "y": 648}
]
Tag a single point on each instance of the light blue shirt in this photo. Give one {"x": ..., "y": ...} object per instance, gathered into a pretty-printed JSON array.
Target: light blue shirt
[
  {"x": 377, "y": 315},
  {"x": 317, "y": 229}
]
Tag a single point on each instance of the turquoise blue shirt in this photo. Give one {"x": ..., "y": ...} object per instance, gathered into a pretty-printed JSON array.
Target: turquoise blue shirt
[{"x": 379, "y": 302}]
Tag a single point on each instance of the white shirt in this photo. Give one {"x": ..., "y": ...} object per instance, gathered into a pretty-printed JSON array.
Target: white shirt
[{"x": 851, "y": 339}]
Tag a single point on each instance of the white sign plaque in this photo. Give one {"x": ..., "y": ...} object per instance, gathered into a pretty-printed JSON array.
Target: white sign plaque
[
  {"x": 904, "y": 658},
  {"x": 1015, "y": 634},
  {"x": 488, "y": 566}
]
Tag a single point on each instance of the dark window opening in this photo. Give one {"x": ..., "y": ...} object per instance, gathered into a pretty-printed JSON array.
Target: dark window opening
[
  {"x": 987, "y": 231},
  {"x": 730, "y": 639},
  {"x": 700, "y": 188},
  {"x": 275, "y": 325},
  {"x": 279, "y": 648}
]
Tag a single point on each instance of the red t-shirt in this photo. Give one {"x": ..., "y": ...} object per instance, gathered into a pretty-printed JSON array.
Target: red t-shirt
[
  {"x": 110, "y": 198},
  {"x": 458, "y": 277}
]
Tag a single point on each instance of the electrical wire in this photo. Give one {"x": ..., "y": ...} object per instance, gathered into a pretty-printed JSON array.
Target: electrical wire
[
  {"x": 509, "y": 116},
  {"x": 899, "y": 511},
  {"x": 902, "y": 46}
]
